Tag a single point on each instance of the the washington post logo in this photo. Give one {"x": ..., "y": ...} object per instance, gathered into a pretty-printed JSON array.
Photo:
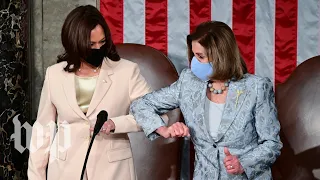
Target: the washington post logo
[{"x": 44, "y": 136}]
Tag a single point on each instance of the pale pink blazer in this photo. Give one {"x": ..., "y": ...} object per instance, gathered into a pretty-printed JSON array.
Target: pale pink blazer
[{"x": 118, "y": 84}]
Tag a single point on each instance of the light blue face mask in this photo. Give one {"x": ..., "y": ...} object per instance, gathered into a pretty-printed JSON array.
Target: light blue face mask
[{"x": 201, "y": 70}]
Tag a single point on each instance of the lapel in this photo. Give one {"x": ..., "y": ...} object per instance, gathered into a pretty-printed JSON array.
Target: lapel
[
  {"x": 70, "y": 93},
  {"x": 199, "y": 100},
  {"x": 103, "y": 84},
  {"x": 235, "y": 98}
]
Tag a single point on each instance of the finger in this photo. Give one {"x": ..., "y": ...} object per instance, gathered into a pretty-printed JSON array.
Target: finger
[
  {"x": 103, "y": 128},
  {"x": 233, "y": 159},
  {"x": 232, "y": 166},
  {"x": 185, "y": 130},
  {"x": 177, "y": 132},
  {"x": 178, "y": 129},
  {"x": 105, "y": 125},
  {"x": 237, "y": 170},
  {"x": 229, "y": 167},
  {"x": 232, "y": 171},
  {"x": 107, "y": 131},
  {"x": 171, "y": 132},
  {"x": 226, "y": 151},
  {"x": 228, "y": 158},
  {"x": 228, "y": 163}
]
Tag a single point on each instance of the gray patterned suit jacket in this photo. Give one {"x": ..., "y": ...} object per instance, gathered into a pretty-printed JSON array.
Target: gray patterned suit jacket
[{"x": 249, "y": 125}]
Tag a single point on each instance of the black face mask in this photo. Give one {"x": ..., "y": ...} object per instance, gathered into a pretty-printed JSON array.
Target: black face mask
[{"x": 96, "y": 56}]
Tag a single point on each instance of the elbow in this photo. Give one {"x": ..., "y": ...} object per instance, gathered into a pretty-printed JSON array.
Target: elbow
[
  {"x": 134, "y": 106},
  {"x": 272, "y": 148},
  {"x": 275, "y": 150},
  {"x": 279, "y": 147}
]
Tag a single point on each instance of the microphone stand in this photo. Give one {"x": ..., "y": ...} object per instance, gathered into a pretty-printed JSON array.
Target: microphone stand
[
  {"x": 102, "y": 117},
  {"x": 87, "y": 155}
]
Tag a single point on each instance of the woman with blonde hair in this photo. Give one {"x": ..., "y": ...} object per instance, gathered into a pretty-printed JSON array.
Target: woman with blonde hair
[{"x": 231, "y": 114}]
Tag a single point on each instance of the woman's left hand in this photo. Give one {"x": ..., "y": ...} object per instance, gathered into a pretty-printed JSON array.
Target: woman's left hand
[
  {"x": 232, "y": 163},
  {"x": 107, "y": 127}
]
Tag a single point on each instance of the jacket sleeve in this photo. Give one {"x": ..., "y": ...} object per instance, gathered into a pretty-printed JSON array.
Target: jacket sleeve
[
  {"x": 147, "y": 110},
  {"x": 42, "y": 134},
  {"x": 261, "y": 158},
  {"x": 137, "y": 88}
]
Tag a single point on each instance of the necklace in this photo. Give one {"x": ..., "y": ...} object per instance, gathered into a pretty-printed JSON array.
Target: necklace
[
  {"x": 218, "y": 91},
  {"x": 95, "y": 70}
]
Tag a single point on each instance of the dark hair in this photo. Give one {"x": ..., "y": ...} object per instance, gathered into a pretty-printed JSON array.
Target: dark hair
[
  {"x": 75, "y": 36},
  {"x": 222, "y": 49}
]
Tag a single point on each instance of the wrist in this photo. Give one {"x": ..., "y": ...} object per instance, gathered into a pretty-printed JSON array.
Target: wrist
[
  {"x": 113, "y": 125},
  {"x": 161, "y": 129}
]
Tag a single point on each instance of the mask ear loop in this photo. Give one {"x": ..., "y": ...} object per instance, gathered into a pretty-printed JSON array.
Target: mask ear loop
[{"x": 111, "y": 45}]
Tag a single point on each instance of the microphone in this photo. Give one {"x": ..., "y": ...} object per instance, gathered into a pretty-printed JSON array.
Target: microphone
[{"x": 102, "y": 117}]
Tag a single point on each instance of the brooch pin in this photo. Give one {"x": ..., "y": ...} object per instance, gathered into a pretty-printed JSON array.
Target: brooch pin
[{"x": 239, "y": 92}]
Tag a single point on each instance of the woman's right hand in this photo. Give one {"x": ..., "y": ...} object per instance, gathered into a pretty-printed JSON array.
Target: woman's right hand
[{"x": 177, "y": 129}]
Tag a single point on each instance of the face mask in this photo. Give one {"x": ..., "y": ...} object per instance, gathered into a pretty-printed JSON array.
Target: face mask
[
  {"x": 201, "y": 70},
  {"x": 96, "y": 56}
]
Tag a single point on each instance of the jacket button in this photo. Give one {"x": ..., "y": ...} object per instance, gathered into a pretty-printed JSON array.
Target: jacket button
[{"x": 215, "y": 146}]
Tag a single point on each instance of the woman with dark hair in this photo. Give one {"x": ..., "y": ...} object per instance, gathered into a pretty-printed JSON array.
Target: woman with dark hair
[
  {"x": 230, "y": 113},
  {"x": 88, "y": 78}
]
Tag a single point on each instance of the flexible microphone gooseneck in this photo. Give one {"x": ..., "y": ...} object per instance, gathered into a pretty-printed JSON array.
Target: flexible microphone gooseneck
[{"x": 102, "y": 117}]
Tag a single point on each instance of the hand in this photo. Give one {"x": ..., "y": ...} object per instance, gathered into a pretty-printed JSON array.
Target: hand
[
  {"x": 177, "y": 129},
  {"x": 107, "y": 127},
  {"x": 232, "y": 163}
]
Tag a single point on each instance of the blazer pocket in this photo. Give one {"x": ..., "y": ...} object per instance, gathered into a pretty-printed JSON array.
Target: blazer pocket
[
  {"x": 59, "y": 155},
  {"x": 119, "y": 154}
]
